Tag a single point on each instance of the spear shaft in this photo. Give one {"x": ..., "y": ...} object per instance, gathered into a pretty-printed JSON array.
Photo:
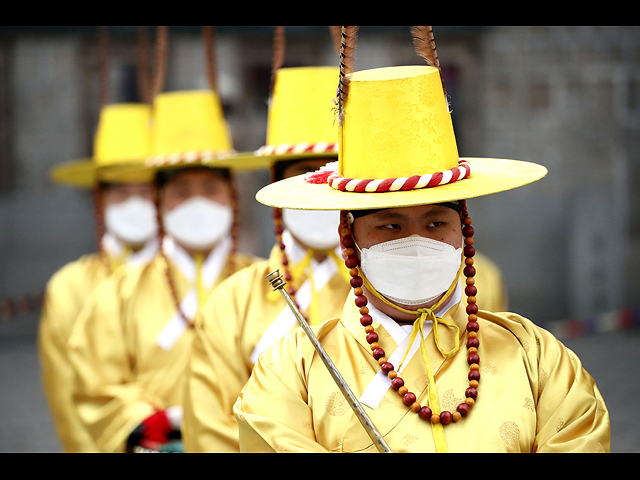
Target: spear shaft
[{"x": 275, "y": 279}]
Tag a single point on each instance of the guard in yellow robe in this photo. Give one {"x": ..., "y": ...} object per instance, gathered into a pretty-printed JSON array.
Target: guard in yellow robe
[
  {"x": 127, "y": 212},
  {"x": 432, "y": 371},
  {"x": 132, "y": 339}
]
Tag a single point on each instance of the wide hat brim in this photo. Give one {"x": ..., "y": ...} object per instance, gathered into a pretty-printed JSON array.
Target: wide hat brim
[
  {"x": 256, "y": 161},
  {"x": 85, "y": 173},
  {"x": 488, "y": 176},
  {"x": 234, "y": 161}
]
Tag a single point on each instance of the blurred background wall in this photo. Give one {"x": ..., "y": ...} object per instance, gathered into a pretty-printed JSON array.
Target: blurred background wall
[{"x": 565, "y": 97}]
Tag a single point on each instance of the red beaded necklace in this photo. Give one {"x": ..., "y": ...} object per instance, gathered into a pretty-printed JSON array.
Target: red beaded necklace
[{"x": 473, "y": 359}]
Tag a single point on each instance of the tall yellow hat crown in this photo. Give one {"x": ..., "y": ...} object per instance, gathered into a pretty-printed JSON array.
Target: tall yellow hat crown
[
  {"x": 122, "y": 140},
  {"x": 300, "y": 121},
  {"x": 397, "y": 149},
  {"x": 188, "y": 128},
  {"x": 396, "y": 124}
]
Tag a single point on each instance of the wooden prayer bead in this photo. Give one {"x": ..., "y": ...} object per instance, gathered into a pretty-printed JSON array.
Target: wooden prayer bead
[
  {"x": 352, "y": 261},
  {"x": 473, "y": 358},
  {"x": 409, "y": 398},
  {"x": 469, "y": 271},
  {"x": 396, "y": 383},
  {"x": 471, "y": 393},
  {"x": 445, "y": 417},
  {"x": 463, "y": 409},
  {"x": 425, "y": 413},
  {"x": 386, "y": 367},
  {"x": 474, "y": 375},
  {"x": 473, "y": 342}
]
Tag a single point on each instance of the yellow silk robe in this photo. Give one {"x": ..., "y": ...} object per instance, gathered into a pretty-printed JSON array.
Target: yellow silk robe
[
  {"x": 129, "y": 349},
  {"x": 534, "y": 395},
  {"x": 228, "y": 330},
  {"x": 65, "y": 295},
  {"x": 230, "y": 326}
]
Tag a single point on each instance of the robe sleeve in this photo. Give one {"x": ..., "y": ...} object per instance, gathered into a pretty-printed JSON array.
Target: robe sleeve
[
  {"x": 110, "y": 401},
  {"x": 58, "y": 315},
  {"x": 272, "y": 410},
  {"x": 572, "y": 415}
]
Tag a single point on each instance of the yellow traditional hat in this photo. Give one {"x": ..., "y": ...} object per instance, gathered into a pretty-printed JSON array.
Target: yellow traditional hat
[
  {"x": 300, "y": 122},
  {"x": 188, "y": 128},
  {"x": 397, "y": 148},
  {"x": 121, "y": 145}
]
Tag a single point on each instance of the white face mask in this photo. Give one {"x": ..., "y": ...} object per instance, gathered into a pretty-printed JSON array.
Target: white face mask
[
  {"x": 318, "y": 229},
  {"x": 198, "y": 223},
  {"x": 132, "y": 221},
  {"x": 412, "y": 270}
]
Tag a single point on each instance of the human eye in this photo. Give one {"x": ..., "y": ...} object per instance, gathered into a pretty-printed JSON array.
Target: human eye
[{"x": 393, "y": 226}]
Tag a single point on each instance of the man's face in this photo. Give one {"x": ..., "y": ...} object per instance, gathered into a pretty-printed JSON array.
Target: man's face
[
  {"x": 115, "y": 193},
  {"x": 189, "y": 184},
  {"x": 431, "y": 221}
]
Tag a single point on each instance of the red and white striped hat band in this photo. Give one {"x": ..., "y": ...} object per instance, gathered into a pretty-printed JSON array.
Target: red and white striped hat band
[
  {"x": 329, "y": 175},
  {"x": 179, "y": 158},
  {"x": 298, "y": 148}
]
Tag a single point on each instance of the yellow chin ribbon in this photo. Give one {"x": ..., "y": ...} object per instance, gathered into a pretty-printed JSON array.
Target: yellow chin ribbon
[{"x": 423, "y": 315}]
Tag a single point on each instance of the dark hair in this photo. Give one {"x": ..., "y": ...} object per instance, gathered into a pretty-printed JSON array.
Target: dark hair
[
  {"x": 163, "y": 176},
  {"x": 456, "y": 205}
]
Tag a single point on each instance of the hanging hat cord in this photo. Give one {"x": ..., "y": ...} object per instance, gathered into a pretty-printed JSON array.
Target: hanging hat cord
[
  {"x": 98, "y": 188},
  {"x": 209, "y": 37},
  {"x": 158, "y": 85},
  {"x": 277, "y": 60}
]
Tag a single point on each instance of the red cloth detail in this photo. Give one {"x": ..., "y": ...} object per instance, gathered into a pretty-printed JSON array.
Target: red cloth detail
[
  {"x": 319, "y": 177},
  {"x": 157, "y": 427}
]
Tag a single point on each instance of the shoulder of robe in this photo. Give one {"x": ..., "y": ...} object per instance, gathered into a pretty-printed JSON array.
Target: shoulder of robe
[
  {"x": 325, "y": 332},
  {"x": 128, "y": 276},
  {"x": 244, "y": 278},
  {"x": 534, "y": 339},
  {"x": 243, "y": 260},
  {"x": 75, "y": 268}
]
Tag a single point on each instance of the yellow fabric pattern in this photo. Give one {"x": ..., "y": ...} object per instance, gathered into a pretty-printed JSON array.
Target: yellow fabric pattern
[
  {"x": 64, "y": 296},
  {"x": 229, "y": 327},
  {"x": 534, "y": 395},
  {"x": 123, "y": 375}
]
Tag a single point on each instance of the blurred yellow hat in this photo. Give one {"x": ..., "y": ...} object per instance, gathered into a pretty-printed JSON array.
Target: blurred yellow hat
[
  {"x": 188, "y": 128},
  {"x": 121, "y": 145},
  {"x": 301, "y": 121},
  {"x": 397, "y": 148}
]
